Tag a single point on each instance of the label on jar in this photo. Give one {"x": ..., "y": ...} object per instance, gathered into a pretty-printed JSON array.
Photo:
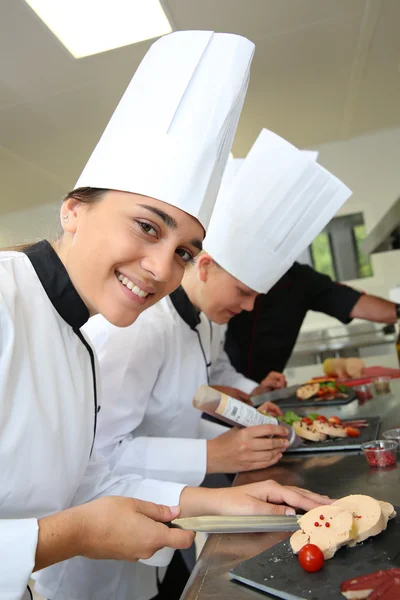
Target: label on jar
[{"x": 242, "y": 413}]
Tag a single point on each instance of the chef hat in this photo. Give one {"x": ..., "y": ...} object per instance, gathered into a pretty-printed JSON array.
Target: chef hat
[
  {"x": 270, "y": 211},
  {"x": 170, "y": 136}
]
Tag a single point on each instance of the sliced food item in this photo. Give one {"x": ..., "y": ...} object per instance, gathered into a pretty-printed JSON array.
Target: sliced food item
[
  {"x": 354, "y": 367},
  {"x": 388, "y": 590},
  {"x": 387, "y": 511},
  {"x": 308, "y": 432},
  {"x": 335, "y": 431},
  {"x": 367, "y": 513},
  {"x": 328, "y": 527},
  {"x": 335, "y": 420},
  {"x": 352, "y": 431},
  {"x": 305, "y": 392},
  {"x": 362, "y": 586}
]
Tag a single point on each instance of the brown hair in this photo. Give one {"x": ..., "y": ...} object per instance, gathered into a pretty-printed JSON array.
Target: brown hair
[{"x": 86, "y": 195}]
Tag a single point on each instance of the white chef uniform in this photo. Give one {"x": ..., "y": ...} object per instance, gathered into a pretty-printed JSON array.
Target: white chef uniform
[
  {"x": 151, "y": 370},
  {"x": 169, "y": 139},
  {"x": 48, "y": 409}
]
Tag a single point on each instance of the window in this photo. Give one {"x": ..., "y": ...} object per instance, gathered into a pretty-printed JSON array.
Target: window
[{"x": 336, "y": 251}]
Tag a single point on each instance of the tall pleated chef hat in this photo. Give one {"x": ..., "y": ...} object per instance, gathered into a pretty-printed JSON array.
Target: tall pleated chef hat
[
  {"x": 270, "y": 207},
  {"x": 170, "y": 135}
]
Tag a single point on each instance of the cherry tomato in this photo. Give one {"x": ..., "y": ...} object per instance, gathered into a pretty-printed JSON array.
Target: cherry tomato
[
  {"x": 335, "y": 420},
  {"x": 321, "y": 393},
  {"x": 352, "y": 431},
  {"x": 307, "y": 421},
  {"x": 311, "y": 558},
  {"x": 321, "y": 418}
]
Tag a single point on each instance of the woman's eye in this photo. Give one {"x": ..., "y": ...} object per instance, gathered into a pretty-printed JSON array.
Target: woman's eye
[
  {"x": 147, "y": 228},
  {"x": 186, "y": 256}
]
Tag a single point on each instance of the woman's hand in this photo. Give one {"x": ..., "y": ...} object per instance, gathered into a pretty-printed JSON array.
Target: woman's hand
[
  {"x": 271, "y": 409},
  {"x": 274, "y": 381},
  {"x": 246, "y": 449},
  {"x": 112, "y": 527},
  {"x": 263, "y": 498}
]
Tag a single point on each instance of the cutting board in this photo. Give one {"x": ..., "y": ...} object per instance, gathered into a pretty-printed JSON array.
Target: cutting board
[
  {"x": 286, "y": 398},
  {"x": 278, "y": 573},
  {"x": 367, "y": 434}
]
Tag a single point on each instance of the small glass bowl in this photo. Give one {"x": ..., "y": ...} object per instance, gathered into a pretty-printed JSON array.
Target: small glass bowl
[
  {"x": 363, "y": 392},
  {"x": 380, "y": 453},
  {"x": 381, "y": 385},
  {"x": 392, "y": 434}
]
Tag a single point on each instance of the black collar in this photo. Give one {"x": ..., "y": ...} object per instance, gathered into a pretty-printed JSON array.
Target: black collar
[
  {"x": 185, "y": 308},
  {"x": 56, "y": 282}
]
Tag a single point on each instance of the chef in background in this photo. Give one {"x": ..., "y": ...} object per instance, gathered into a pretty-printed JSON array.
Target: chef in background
[
  {"x": 262, "y": 340},
  {"x": 140, "y": 207}
]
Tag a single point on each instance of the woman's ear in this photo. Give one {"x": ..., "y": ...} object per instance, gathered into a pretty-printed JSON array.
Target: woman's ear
[
  {"x": 69, "y": 215},
  {"x": 204, "y": 263}
]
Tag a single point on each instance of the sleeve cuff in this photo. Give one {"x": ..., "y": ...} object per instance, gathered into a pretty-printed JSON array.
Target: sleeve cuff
[{"x": 18, "y": 544}]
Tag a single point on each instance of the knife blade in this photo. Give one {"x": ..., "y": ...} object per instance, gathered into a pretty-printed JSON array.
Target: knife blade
[
  {"x": 238, "y": 524},
  {"x": 274, "y": 395}
]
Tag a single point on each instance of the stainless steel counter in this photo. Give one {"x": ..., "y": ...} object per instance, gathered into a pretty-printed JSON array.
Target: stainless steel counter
[{"x": 335, "y": 474}]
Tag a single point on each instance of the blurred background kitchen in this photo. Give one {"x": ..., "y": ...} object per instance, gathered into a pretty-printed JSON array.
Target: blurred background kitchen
[{"x": 326, "y": 76}]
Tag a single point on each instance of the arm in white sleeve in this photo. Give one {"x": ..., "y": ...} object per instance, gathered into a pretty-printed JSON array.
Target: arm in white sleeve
[
  {"x": 222, "y": 370},
  {"x": 181, "y": 460},
  {"x": 18, "y": 542},
  {"x": 130, "y": 361}
]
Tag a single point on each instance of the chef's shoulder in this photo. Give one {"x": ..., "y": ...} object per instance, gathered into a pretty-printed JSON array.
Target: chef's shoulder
[
  {"x": 15, "y": 270},
  {"x": 153, "y": 323}
]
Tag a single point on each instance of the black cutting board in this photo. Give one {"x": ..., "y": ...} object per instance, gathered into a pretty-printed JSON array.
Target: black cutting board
[
  {"x": 286, "y": 398},
  {"x": 367, "y": 434},
  {"x": 278, "y": 573}
]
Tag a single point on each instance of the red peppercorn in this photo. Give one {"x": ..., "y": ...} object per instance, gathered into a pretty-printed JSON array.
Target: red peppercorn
[
  {"x": 327, "y": 524},
  {"x": 321, "y": 517},
  {"x": 316, "y": 524}
]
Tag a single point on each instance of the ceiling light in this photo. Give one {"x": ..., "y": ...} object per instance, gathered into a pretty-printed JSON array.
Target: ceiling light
[
  {"x": 231, "y": 156},
  {"x": 87, "y": 27}
]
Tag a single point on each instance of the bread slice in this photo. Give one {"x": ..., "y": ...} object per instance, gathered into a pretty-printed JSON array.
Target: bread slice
[{"x": 308, "y": 432}]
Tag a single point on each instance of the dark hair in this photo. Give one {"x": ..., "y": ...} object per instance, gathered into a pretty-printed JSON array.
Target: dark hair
[{"x": 86, "y": 195}]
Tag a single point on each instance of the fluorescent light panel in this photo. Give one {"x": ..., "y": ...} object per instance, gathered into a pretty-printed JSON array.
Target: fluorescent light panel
[{"x": 87, "y": 27}]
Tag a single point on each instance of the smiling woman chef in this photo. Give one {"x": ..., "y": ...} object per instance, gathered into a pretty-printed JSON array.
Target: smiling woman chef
[
  {"x": 151, "y": 370},
  {"x": 48, "y": 395}
]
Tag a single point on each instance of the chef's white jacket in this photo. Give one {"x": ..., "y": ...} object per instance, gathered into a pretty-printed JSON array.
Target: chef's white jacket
[
  {"x": 150, "y": 373},
  {"x": 48, "y": 410}
]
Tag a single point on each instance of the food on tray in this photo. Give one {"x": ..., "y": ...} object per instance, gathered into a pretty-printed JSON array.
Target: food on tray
[
  {"x": 347, "y": 521},
  {"x": 307, "y": 432},
  {"x": 305, "y": 392},
  {"x": 317, "y": 428},
  {"x": 330, "y": 429},
  {"x": 323, "y": 390},
  {"x": 344, "y": 367},
  {"x": 369, "y": 515},
  {"x": 311, "y": 558},
  {"x": 383, "y": 582},
  {"x": 328, "y": 527}
]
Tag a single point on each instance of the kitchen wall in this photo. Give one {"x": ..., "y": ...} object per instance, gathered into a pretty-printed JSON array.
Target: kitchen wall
[
  {"x": 29, "y": 225},
  {"x": 370, "y": 166}
]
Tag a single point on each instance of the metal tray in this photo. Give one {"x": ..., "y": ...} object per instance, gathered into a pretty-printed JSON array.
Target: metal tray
[
  {"x": 286, "y": 398},
  {"x": 335, "y": 444},
  {"x": 278, "y": 573}
]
